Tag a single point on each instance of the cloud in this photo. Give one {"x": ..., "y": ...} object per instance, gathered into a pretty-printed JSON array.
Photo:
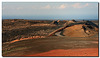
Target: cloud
[
  {"x": 46, "y": 7},
  {"x": 86, "y": 5},
  {"x": 8, "y": 7},
  {"x": 62, "y": 6},
  {"x": 78, "y": 5},
  {"x": 19, "y": 8},
  {"x": 54, "y": 7}
]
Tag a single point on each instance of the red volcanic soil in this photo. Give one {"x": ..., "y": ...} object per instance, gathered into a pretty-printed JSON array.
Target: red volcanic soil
[{"x": 69, "y": 52}]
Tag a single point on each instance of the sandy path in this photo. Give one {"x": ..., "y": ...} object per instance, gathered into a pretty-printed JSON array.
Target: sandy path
[
  {"x": 58, "y": 33},
  {"x": 69, "y": 52}
]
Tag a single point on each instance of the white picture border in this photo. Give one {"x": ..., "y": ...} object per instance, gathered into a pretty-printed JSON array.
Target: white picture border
[{"x": 41, "y": 1}]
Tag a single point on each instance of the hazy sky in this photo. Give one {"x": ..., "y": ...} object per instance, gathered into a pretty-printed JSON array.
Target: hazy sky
[{"x": 37, "y": 10}]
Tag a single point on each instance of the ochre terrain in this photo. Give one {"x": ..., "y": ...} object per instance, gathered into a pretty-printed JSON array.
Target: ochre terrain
[
  {"x": 40, "y": 38},
  {"x": 69, "y": 52}
]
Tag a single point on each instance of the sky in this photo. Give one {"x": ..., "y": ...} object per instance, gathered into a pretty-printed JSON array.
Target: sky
[{"x": 50, "y": 10}]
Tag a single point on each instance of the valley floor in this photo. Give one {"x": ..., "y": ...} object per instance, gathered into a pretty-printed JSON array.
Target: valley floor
[{"x": 53, "y": 46}]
